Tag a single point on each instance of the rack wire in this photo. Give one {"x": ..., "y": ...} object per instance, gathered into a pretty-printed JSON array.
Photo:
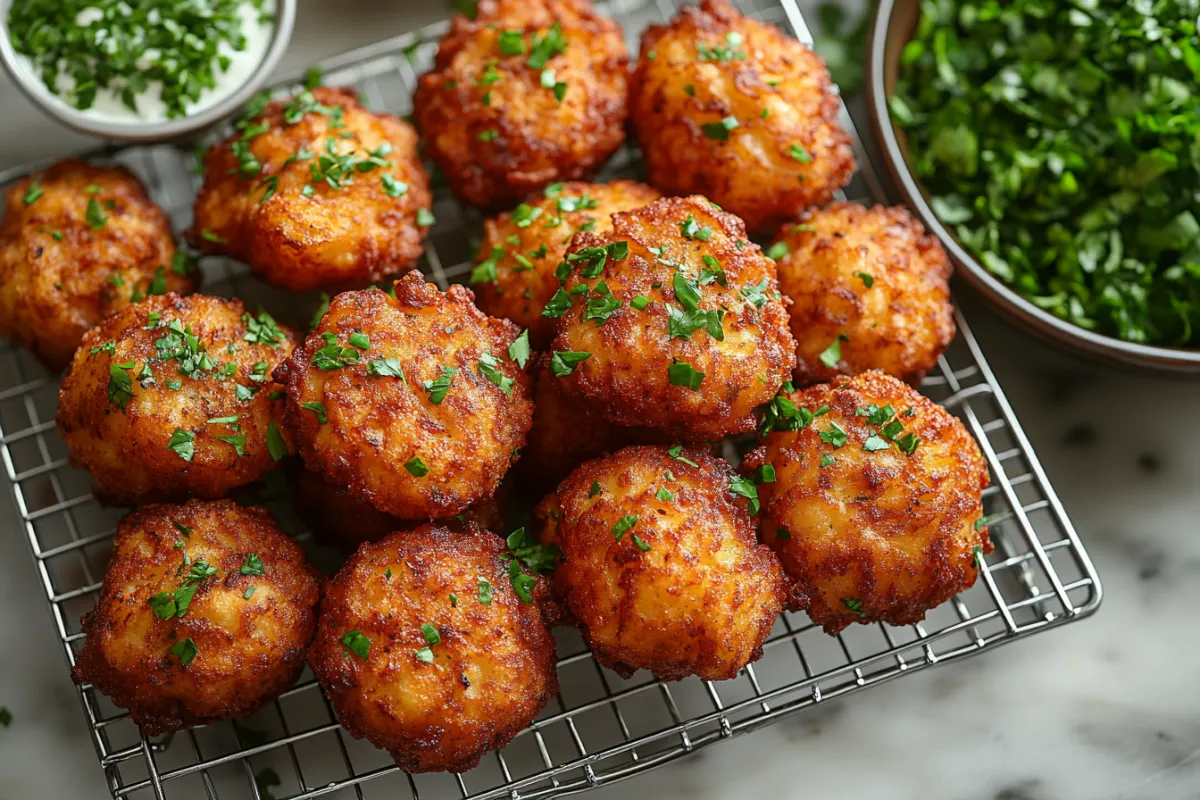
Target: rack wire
[{"x": 601, "y": 728}]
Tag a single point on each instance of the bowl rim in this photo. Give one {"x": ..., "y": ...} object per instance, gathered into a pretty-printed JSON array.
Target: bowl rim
[
  {"x": 39, "y": 95},
  {"x": 1013, "y": 305}
]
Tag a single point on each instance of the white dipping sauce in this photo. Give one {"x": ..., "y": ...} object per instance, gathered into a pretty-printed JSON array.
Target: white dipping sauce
[{"x": 108, "y": 105}]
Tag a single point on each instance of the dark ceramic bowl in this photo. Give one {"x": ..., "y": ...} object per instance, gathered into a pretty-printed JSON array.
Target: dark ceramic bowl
[{"x": 892, "y": 28}]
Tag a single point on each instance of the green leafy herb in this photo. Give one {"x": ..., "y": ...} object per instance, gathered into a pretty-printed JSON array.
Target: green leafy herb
[
  {"x": 94, "y": 216},
  {"x": 692, "y": 230},
  {"x": 439, "y": 387},
  {"x": 777, "y": 250},
  {"x": 854, "y": 605},
  {"x": 745, "y": 487},
  {"x": 489, "y": 367},
  {"x": 756, "y": 293},
  {"x": 683, "y": 374},
  {"x": 416, "y": 467},
  {"x": 832, "y": 354},
  {"x": 393, "y": 187},
  {"x": 557, "y": 305},
  {"x": 546, "y": 47},
  {"x": 622, "y": 526},
  {"x": 601, "y": 304},
  {"x": 386, "y": 368},
  {"x": 181, "y": 444},
  {"x": 563, "y": 362},
  {"x": 595, "y": 490},
  {"x": 358, "y": 643},
  {"x": 834, "y": 435},
  {"x": 185, "y": 650},
  {"x": 719, "y": 131},
  {"x": 519, "y": 350},
  {"x": 1060, "y": 148},
  {"x": 120, "y": 384},
  {"x": 425, "y": 218},
  {"x": 34, "y": 192},
  {"x": 676, "y": 453},
  {"x": 799, "y": 154},
  {"x": 485, "y": 592},
  {"x": 276, "y": 445},
  {"x": 253, "y": 565},
  {"x": 722, "y": 52},
  {"x": 262, "y": 329},
  {"x": 867, "y": 279},
  {"x": 640, "y": 302}
]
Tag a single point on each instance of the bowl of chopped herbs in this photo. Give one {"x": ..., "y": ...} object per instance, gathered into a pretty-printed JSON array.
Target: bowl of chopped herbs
[
  {"x": 142, "y": 70},
  {"x": 1054, "y": 147}
]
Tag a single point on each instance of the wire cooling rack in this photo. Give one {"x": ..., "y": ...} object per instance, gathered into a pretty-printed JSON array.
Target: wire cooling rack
[{"x": 601, "y": 728}]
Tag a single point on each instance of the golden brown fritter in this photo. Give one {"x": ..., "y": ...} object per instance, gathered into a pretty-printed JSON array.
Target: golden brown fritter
[
  {"x": 872, "y": 280},
  {"x": 79, "y": 242},
  {"x": 425, "y": 649},
  {"x": 412, "y": 403},
  {"x": 661, "y": 567},
  {"x": 340, "y": 520},
  {"x": 528, "y": 93},
  {"x": 682, "y": 328},
  {"x": 205, "y": 614},
  {"x": 514, "y": 277},
  {"x": 874, "y": 503},
  {"x": 172, "y": 397},
  {"x": 738, "y": 111},
  {"x": 315, "y": 192}
]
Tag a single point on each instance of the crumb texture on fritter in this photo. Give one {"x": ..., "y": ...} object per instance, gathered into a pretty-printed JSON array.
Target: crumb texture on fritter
[
  {"x": 412, "y": 403},
  {"x": 528, "y": 93},
  {"x": 172, "y": 397},
  {"x": 869, "y": 290},
  {"x": 425, "y": 649},
  {"x": 875, "y": 503},
  {"x": 339, "y": 519},
  {"x": 205, "y": 614},
  {"x": 661, "y": 566},
  {"x": 672, "y": 321},
  {"x": 738, "y": 111},
  {"x": 514, "y": 274},
  {"x": 316, "y": 191},
  {"x": 77, "y": 243}
]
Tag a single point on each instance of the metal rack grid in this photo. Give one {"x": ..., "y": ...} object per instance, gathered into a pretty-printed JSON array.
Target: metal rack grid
[{"x": 601, "y": 728}]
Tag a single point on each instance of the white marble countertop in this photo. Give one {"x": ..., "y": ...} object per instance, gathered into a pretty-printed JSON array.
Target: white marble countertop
[{"x": 1106, "y": 708}]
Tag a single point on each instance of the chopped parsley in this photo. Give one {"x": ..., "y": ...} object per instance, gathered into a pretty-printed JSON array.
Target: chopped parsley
[
  {"x": 182, "y": 444},
  {"x": 867, "y": 278},
  {"x": 855, "y": 605},
  {"x": 683, "y": 374},
  {"x": 726, "y": 52},
  {"x": 832, "y": 354},
  {"x": 484, "y": 590},
  {"x": 34, "y": 192},
  {"x": 489, "y": 367},
  {"x": 546, "y": 47},
  {"x": 693, "y": 230},
  {"x": 318, "y": 410},
  {"x": 664, "y": 494},
  {"x": 799, "y": 154},
  {"x": 719, "y": 131},
  {"x": 185, "y": 650},
  {"x": 276, "y": 445},
  {"x": 358, "y": 643},
  {"x": 834, "y": 435},
  {"x": 745, "y": 487},
  {"x": 676, "y": 453},
  {"x": 120, "y": 384},
  {"x": 557, "y": 305},
  {"x": 386, "y": 368},
  {"x": 253, "y": 565},
  {"x": 94, "y": 215},
  {"x": 622, "y": 526},
  {"x": 393, "y": 187},
  {"x": 262, "y": 329},
  {"x": 777, "y": 251},
  {"x": 333, "y": 356},
  {"x": 563, "y": 362},
  {"x": 425, "y": 218},
  {"x": 416, "y": 467},
  {"x": 439, "y": 387},
  {"x": 519, "y": 350},
  {"x": 601, "y": 304}
]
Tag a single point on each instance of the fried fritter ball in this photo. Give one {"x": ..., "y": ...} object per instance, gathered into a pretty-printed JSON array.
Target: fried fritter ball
[
  {"x": 871, "y": 280},
  {"x": 172, "y": 397},
  {"x": 412, "y": 403},
  {"x": 343, "y": 521},
  {"x": 874, "y": 503},
  {"x": 79, "y": 242},
  {"x": 514, "y": 277},
  {"x": 317, "y": 191},
  {"x": 682, "y": 328},
  {"x": 205, "y": 614},
  {"x": 527, "y": 93},
  {"x": 425, "y": 649},
  {"x": 738, "y": 111},
  {"x": 661, "y": 567}
]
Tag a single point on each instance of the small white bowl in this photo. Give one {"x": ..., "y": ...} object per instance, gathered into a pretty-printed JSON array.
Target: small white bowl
[{"x": 33, "y": 88}]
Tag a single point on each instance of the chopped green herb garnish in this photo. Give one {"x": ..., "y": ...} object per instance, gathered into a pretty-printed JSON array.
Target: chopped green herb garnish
[
  {"x": 745, "y": 487},
  {"x": 519, "y": 350},
  {"x": 185, "y": 650},
  {"x": 683, "y": 374},
  {"x": 416, "y": 467},
  {"x": 181, "y": 443},
  {"x": 563, "y": 362},
  {"x": 719, "y": 131},
  {"x": 676, "y": 453},
  {"x": 439, "y": 387},
  {"x": 832, "y": 354},
  {"x": 34, "y": 192},
  {"x": 622, "y": 526},
  {"x": 358, "y": 643},
  {"x": 867, "y": 279}
]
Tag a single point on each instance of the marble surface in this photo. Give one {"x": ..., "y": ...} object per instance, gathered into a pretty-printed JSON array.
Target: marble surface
[{"x": 1106, "y": 708}]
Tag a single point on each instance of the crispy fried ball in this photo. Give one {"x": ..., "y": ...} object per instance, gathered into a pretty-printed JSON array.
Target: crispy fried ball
[
  {"x": 661, "y": 567},
  {"x": 425, "y": 649},
  {"x": 872, "y": 280},
  {"x": 527, "y": 93},
  {"x": 315, "y": 192},
  {"x": 172, "y": 397},
  {"x": 710, "y": 341},
  {"x": 874, "y": 503},
  {"x": 205, "y": 614},
  {"x": 412, "y": 403},
  {"x": 343, "y": 521},
  {"x": 514, "y": 277},
  {"x": 79, "y": 242},
  {"x": 736, "y": 110}
]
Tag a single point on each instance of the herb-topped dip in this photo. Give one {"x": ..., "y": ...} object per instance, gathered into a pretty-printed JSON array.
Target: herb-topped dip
[{"x": 141, "y": 60}]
